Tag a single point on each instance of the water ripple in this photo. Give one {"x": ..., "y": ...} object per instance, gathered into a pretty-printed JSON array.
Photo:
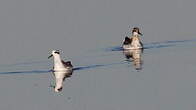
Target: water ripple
[
  {"x": 164, "y": 44},
  {"x": 28, "y": 72},
  {"x": 147, "y": 46}
]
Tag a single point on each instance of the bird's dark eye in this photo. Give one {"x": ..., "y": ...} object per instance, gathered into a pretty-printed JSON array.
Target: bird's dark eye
[
  {"x": 60, "y": 89},
  {"x": 57, "y": 52}
]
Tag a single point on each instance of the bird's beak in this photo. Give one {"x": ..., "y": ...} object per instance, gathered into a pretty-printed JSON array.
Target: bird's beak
[{"x": 50, "y": 56}]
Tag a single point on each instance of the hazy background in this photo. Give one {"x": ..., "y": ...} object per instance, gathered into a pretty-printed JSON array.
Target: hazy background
[
  {"x": 82, "y": 30},
  {"x": 34, "y": 27}
]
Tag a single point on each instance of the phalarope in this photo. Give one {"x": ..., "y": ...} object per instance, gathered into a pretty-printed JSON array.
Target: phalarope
[
  {"x": 134, "y": 41},
  {"x": 61, "y": 70},
  {"x": 60, "y": 65}
]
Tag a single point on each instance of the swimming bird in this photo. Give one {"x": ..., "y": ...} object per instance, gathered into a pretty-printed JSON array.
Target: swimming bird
[
  {"x": 134, "y": 41},
  {"x": 61, "y": 70},
  {"x": 60, "y": 65}
]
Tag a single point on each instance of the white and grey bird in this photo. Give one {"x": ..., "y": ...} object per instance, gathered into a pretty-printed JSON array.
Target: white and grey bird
[
  {"x": 61, "y": 70},
  {"x": 60, "y": 65},
  {"x": 134, "y": 41}
]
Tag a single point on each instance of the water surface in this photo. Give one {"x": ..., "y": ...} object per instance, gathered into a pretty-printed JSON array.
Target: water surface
[{"x": 90, "y": 34}]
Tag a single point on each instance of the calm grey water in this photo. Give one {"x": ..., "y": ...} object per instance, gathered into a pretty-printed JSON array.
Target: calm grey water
[{"x": 90, "y": 33}]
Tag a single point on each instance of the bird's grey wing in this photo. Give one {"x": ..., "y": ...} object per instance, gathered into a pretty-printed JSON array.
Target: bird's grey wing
[
  {"x": 68, "y": 63},
  {"x": 127, "y": 40}
]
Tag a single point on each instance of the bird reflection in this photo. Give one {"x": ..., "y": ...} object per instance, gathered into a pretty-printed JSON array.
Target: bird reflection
[
  {"x": 60, "y": 76},
  {"x": 134, "y": 55}
]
